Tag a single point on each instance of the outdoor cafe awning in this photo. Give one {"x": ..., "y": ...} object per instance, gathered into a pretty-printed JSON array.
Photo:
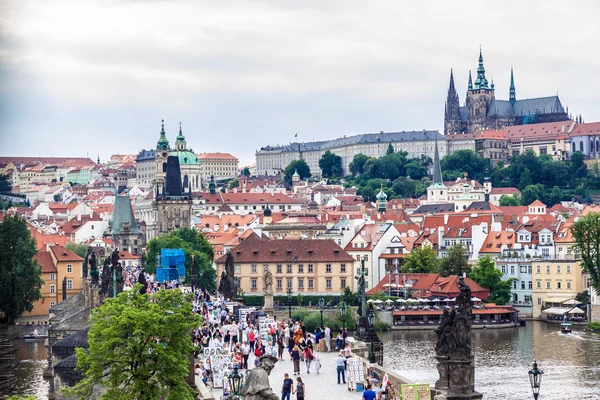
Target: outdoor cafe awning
[
  {"x": 555, "y": 311},
  {"x": 576, "y": 311}
]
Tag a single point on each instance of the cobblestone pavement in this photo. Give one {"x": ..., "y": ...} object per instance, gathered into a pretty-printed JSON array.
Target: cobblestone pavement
[{"x": 320, "y": 386}]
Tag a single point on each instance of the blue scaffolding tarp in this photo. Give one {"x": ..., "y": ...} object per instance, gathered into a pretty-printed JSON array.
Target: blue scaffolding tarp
[{"x": 172, "y": 262}]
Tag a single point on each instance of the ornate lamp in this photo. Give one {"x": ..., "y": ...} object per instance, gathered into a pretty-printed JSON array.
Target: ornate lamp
[
  {"x": 535, "y": 378},
  {"x": 371, "y": 318},
  {"x": 321, "y": 305},
  {"x": 343, "y": 312},
  {"x": 235, "y": 382},
  {"x": 289, "y": 293}
]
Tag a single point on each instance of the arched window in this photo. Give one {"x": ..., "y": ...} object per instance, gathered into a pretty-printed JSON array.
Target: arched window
[
  {"x": 574, "y": 147},
  {"x": 164, "y": 167},
  {"x": 581, "y": 146},
  {"x": 597, "y": 145},
  {"x": 185, "y": 181}
]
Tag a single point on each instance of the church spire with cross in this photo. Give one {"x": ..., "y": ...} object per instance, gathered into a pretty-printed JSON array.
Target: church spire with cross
[
  {"x": 180, "y": 143},
  {"x": 512, "y": 93},
  {"x": 163, "y": 143}
]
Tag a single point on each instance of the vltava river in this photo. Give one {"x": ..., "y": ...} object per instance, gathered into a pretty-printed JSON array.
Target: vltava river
[{"x": 571, "y": 362}]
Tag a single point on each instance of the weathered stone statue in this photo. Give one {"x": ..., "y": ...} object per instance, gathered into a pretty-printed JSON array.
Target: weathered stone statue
[
  {"x": 142, "y": 281},
  {"x": 453, "y": 349},
  {"x": 86, "y": 262},
  {"x": 114, "y": 257},
  {"x": 105, "y": 275},
  {"x": 94, "y": 268},
  {"x": 64, "y": 288},
  {"x": 268, "y": 280},
  {"x": 120, "y": 280},
  {"x": 256, "y": 386},
  {"x": 268, "y": 290},
  {"x": 226, "y": 285}
]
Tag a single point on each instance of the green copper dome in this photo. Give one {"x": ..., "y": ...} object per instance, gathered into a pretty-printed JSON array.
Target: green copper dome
[
  {"x": 163, "y": 143},
  {"x": 186, "y": 157},
  {"x": 381, "y": 195}
]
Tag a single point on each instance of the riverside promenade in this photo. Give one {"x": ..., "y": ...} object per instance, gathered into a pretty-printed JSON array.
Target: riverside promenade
[{"x": 317, "y": 386}]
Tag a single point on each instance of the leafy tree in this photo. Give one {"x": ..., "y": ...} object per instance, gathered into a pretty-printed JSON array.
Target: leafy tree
[
  {"x": 525, "y": 179},
  {"x": 4, "y": 184},
  {"x": 578, "y": 167},
  {"x": 297, "y": 165},
  {"x": 331, "y": 165},
  {"x": 455, "y": 263},
  {"x": 553, "y": 197},
  {"x": 584, "y": 297},
  {"x": 404, "y": 187},
  {"x": 390, "y": 149},
  {"x": 139, "y": 347},
  {"x": 466, "y": 161},
  {"x": 17, "y": 397},
  {"x": 234, "y": 183},
  {"x": 57, "y": 197},
  {"x": 193, "y": 243},
  {"x": 246, "y": 171},
  {"x": 348, "y": 297},
  {"x": 357, "y": 166},
  {"x": 79, "y": 249},
  {"x": 421, "y": 187},
  {"x": 513, "y": 200},
  {"x": 415, "y": 170},
  {"x": 421, "y": 260},
  {"x": 586, "y": 232},
  {"x": 490, "y": 277},
  {"x": 531, "y": 193},
  {"x": 20, "y": 276}
]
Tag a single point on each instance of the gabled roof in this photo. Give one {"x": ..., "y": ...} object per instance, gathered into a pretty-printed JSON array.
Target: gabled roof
[
  {"x": 507, "y": 191},
  {"x": 257, "y": 250},
  {"x": 495, "y": 240},
  {"x": 44, "y": 260},
  {"x": 586, "y": 129},
  {"x": 63, "y": 254},
  {"x": 547, "y": 129}
]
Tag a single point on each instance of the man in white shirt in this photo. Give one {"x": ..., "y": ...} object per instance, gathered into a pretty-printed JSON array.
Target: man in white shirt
[{"x": 328, "y": 338}]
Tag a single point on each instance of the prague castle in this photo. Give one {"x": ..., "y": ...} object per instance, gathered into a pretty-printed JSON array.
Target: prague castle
[{"x": 483, "y": 111}]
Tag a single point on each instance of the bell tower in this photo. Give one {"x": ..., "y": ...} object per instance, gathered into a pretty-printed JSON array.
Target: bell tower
[
  {"x": 162, "y": 152},
  {"x": 479, "y": 98}
]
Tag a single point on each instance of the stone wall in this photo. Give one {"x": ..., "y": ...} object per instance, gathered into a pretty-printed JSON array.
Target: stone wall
[{"x": 595, "y": 313}]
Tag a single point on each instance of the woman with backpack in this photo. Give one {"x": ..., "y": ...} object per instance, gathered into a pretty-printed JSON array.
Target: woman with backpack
[
  {"x": 299, "y": 390},
  {"x": 308, "y": 357}
]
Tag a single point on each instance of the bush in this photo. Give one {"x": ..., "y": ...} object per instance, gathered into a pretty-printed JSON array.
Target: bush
[
  {"x": 312, "y": 319},
  {"x": 595, "y": 326}
]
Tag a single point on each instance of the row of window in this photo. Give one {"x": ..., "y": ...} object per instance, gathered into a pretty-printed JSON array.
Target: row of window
[
  {"x": 538, "y": 284},
  {"x": 288, "y": 270},
  {"x": 558, "y": 269},
  {"x": 69, "y": 286},
  {"x": 310, "y": 283}
]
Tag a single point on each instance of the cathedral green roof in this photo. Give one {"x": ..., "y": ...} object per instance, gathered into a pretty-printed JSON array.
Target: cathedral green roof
[{"x": 186, "y": 157}]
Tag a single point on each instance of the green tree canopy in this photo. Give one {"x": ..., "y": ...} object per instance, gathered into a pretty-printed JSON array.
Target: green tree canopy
[
  {"x": 578, "y": 167},
  {"x": 390, "y": 149},
  {"x": 4, "y": 184},
  {"x": 139, "y": 347},
  {"x": 20, "y": 276},
  {"x": 79, "y": 249},
  {"x": 421, "y": 260},
  {"x": 357, "y": 166},
  {"x": 466, "y": 161},
  {"x": 297, "y": 165},
  {"x": 531, "y": 193},
  {"x": 193, "y": 243},
  {"x": 525, "y": 179},
  {"x": 490, "y": 277},
  {"x": 246, "y": 171},
  {"x": 331, "y": 165},
  {"x": 586, "y": 232},
  {"x": 513, "y": 200},
  {"x": 455, "y": 263},
  {"x": 348, "y": 297}
]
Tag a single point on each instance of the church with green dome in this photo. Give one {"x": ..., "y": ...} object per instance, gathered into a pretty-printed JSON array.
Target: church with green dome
[{"x": 188, "y": 161}]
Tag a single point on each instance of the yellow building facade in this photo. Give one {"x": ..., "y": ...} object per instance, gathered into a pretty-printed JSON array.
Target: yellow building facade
[{"x": 554, "y": 281}]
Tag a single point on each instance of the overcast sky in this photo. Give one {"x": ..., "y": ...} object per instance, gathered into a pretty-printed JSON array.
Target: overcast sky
[{"x": 81, "y": 77}]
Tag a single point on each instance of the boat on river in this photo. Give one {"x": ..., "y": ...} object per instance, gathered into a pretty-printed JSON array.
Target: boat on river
[
  {"x": 36, "y": 335},
  {"x": 565, "y": 327}
]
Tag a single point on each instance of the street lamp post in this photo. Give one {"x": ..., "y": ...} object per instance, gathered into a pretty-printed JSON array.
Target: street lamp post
[
  {"x": 535, "y": 378},
  {"x": 200, "y": 275},
  {"x": 371, "y": 317},
  {"x": 235, "y": 382},
  {"x": 289, "y": 293},
  {"x": 343, "y": 312},
  {"x": 321, "y": 305},
  {"x": 236, "y": 284}
]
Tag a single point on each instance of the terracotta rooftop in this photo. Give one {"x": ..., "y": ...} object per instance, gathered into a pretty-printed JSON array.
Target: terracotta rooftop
[
  {"x": 255, "y": 250},
  {"x": 63, "y": 254},
  {"x": 44, "y": 260},
  {"x": 222, "y": 156}
]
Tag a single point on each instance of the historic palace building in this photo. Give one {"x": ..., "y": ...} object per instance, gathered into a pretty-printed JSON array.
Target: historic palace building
[{"x": 483, "y": 111}]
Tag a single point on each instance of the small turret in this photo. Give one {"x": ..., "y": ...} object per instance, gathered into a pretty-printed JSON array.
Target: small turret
[
  {"x": 180, "y": 143},
  {"x": 212, "y": 188},
  {"x": 163, "y": 143},
  {"x": 381, "y": 200},
  {"x": 512, "y": 95},
  {"x": 487, "y": 184},
  {"x": 295, "y": 177}
]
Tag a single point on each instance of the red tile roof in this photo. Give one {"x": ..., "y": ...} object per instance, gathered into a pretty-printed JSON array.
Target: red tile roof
[
  {"x": 507, "y": 191},
  {"x": 63, "y": 254},
  {"x": 226, "y": 156},
  {"x": 538, "y": 131},
  {"x": 492, "y": 134},
  {"x": 587, "y": 129},
  {"x": 255, "y": 250},
  {"x": 427, "y": 285},
  {"x": 44, "y": 260}
]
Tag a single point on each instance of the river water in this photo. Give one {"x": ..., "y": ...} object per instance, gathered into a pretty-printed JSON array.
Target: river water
[
  {"x": 571, "y": 362},
  {"x": 32, "y": 356}
]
